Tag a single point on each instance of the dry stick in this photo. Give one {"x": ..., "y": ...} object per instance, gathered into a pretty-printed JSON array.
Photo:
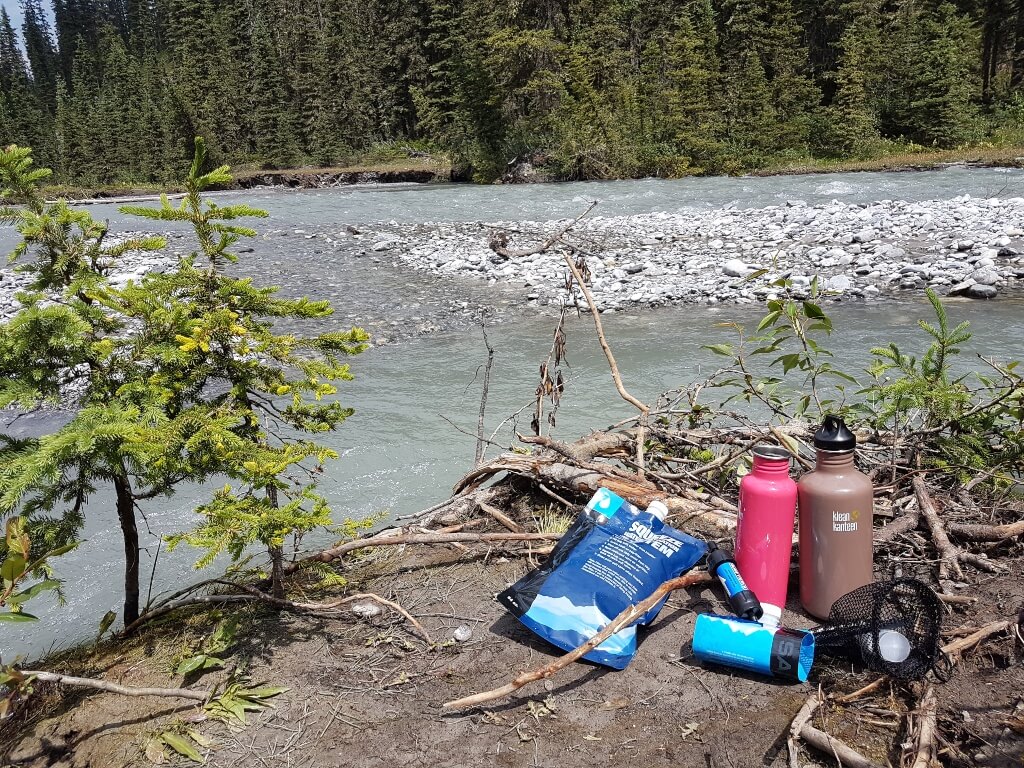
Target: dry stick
[
  {"x": 334, "y": 553},
  {"x": 926, "y": 737},
  {"x": 948, "y": 553},
  {"x": 480, "y": 443},
  {"x": 624, "y": 619},
  {"x": 498, "y": 247},
  {"x": 908, "y": 522},
  {"x": 644, "y": 409},
  {"x": 103, "y": 685},
  {"x": 501, "y": 517},
  {"x": 845, "y": 755},
  {"x": 869, "y": 688},
  {"x": 986, "y": 532},
  {"x": 964, "y": 643},
  {"x": 802, "y": 718}
]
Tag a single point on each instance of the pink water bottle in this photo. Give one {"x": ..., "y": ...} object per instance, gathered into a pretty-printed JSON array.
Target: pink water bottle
[{"x": 764, "y": 530}]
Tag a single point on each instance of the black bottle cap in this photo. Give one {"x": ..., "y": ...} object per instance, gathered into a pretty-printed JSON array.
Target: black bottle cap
[{"x": 834, "y": 436}]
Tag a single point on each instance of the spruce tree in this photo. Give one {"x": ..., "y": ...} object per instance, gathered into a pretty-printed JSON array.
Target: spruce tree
[
  {"x": 41, "y": 50},
  {"x": 276, "y": 386}
]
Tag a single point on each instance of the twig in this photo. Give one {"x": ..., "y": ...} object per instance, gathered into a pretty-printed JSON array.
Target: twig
[
  {"x": 948, "y": 554},
  {"x": 624, "y": 619},
  {"x": 801, "y": 719},
  {"x": 480, "y": 443},
  {"x": 869, "y": 688},
  {"x": 845, "y": 755},
  {"x": 334, "y": 553},
  {"x": 103, "y": 685},
  {"x": 501, "y": 517},
  {"x": 962, "y": 644},
  {"x": 927, "y": 748},
  {"x": 602, "y": 339}
]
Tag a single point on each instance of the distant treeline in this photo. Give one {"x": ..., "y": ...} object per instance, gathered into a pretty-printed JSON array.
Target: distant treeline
[{"x": 114, "y": 90}]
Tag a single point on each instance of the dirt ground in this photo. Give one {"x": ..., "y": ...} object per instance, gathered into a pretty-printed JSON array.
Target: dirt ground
[{"x": 368, "y": 693}]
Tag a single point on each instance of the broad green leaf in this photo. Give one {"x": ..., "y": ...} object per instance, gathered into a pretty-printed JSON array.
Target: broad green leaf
[
  {"x": 190, "y": 665},
  {"x": 18, "y": 618},
  {"x": 34, "y": 590},
  {"x": 720, "y": 349},
  {"x": 182, "y": 746},
  {"x": 13, "y": 569}
]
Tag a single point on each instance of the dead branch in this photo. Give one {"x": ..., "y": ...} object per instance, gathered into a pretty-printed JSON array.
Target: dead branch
[
  {"x": 801, "y": 719},
  {"x": 869, "y": 688},
  {"x": 328, "y": 555},
  {"x": 501, "y": 517},
  {"x": 498, "y": 240},
  {"x": 986, "y": 532},
  {"x": 586, "y": 481},
  {"x": 123, "y": 690},
  {"x": 624, "y": 619},
  {"x": 844, "y": 754},
  {"x": 480, "y": 440},
  {"x": 927, "y": 746},
  {"x": 905, "y": 524},
  {"x": 949, "y": 555},
  {"x": 963, "y": 643}
]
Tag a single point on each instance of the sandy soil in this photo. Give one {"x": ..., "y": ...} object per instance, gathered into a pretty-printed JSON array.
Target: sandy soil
[{"x": 368, "y": 693}]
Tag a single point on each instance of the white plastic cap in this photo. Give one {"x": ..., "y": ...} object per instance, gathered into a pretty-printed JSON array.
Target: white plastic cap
[
  {"x": 658, "y": 509},
  {"x": 772, "y": 615}
]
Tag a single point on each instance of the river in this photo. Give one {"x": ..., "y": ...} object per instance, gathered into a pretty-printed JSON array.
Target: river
[{"x": 403, "y": 449}]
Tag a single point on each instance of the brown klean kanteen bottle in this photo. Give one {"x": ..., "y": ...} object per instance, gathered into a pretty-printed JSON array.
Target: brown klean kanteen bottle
[{"x": 835, "y": 502}]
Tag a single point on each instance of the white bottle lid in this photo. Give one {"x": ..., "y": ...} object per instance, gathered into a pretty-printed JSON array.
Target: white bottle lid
[
  {"x": 772, "y": 615},
  {"x": 658, "y": 509}
]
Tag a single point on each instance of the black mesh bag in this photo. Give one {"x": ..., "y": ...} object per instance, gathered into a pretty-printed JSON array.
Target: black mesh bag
[{"x": 893, "y": 626}]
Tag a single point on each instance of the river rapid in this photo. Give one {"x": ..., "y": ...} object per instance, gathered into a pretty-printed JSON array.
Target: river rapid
[{"x": 417, "y": 392}]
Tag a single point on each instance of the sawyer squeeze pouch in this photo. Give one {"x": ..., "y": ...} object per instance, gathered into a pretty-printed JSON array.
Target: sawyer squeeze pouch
[{"x": 595, "y": 571}]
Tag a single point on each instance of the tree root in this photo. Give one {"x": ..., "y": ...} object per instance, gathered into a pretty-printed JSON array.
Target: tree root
[{"x": 624, "y": 619}]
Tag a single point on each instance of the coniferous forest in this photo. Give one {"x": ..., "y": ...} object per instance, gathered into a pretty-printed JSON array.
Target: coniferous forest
[{"x": 114, "y": 90}]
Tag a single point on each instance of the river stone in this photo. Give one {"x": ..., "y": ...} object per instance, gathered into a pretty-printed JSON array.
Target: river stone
[
  {"x": 735, "y": 268},
  {"x": 961, "y": 287},
  {"x": 839, "y": 283},
  {"x": 981, "y": 292},
  {"x": 986, "y": 276}
]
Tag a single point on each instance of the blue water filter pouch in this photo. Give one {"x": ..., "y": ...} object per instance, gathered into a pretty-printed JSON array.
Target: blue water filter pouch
[
  {"x": 595, "y": 571},
  {"x": 767, "y": 650}
]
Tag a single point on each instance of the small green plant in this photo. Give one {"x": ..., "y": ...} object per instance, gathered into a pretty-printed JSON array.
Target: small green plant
[
  {"x": 20, "y": 564},
  {"x": 232, "y": 705},
  {"x": 550, "y": 520},
  {"x": 791, "y": 334},
  {"x": 222, "y": 638}
]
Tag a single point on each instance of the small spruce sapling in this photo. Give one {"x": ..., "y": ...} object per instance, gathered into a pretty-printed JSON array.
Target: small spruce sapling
[{"x": 279, "y": 385}]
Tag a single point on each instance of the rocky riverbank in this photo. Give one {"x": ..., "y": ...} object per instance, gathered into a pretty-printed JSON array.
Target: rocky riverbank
[
  {"x": 131, "y": 266},
  {"x": 964, "y": 246}
]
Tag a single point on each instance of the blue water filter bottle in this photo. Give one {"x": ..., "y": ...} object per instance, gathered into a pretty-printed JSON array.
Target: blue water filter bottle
[{"x": 767, "y": 650}]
